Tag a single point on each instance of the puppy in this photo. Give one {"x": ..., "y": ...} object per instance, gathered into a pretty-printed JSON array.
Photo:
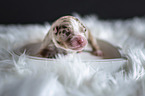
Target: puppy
[{"x": 66, "y": 35}]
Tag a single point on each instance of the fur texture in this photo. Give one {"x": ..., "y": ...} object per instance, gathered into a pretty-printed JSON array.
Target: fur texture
[{"x": 22, "y": 76}]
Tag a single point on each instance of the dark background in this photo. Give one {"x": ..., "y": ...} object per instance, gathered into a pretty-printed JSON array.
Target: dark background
[{"x": 40, "y": 11}]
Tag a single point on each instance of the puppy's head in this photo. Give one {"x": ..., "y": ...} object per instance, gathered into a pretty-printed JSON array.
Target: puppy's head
[{"x": 69, "y": 33}]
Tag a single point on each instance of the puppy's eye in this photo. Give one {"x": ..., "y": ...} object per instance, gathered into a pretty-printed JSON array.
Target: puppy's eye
[{"x": 85, "y": 30}]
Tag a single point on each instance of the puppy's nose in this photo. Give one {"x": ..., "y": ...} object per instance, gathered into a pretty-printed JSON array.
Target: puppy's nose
[{"x": 79, "y": 40}]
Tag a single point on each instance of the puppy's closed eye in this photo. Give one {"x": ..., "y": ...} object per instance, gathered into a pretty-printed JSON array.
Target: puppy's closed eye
[{"x": 83, "y": 29}]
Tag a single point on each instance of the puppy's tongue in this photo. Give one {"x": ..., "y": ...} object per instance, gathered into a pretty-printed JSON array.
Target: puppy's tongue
[{"x": 78, "y": 42}]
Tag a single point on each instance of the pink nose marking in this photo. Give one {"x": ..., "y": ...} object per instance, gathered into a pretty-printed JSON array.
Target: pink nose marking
[{"x": 80, "y": 40}]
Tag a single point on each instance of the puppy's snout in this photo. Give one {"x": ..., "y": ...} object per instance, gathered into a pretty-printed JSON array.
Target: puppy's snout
[{"x": 78, "y": 42}]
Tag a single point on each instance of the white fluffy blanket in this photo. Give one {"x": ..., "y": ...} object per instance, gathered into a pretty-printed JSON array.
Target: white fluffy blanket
[{"x": 22, "y": 76}]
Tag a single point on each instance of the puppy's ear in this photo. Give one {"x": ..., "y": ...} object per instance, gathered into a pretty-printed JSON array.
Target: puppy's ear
[{"x": 55, "y": 29}]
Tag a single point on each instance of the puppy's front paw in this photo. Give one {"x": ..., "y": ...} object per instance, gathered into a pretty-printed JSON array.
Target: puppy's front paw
[
  {"x": 98, "y": 53},
  {"x": 47, "y": 53}
]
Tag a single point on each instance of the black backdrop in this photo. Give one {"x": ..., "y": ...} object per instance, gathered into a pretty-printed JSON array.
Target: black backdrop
[{"x": 40, "y": 11}]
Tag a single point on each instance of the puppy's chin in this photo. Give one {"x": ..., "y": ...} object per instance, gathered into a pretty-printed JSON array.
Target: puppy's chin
[
  {"x": 77, "y": 48},
  {"x": 67, "y": 47}
]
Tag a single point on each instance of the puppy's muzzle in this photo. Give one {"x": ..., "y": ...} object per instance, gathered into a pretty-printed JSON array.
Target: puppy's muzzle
[{"x": 78, "y": 42}]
